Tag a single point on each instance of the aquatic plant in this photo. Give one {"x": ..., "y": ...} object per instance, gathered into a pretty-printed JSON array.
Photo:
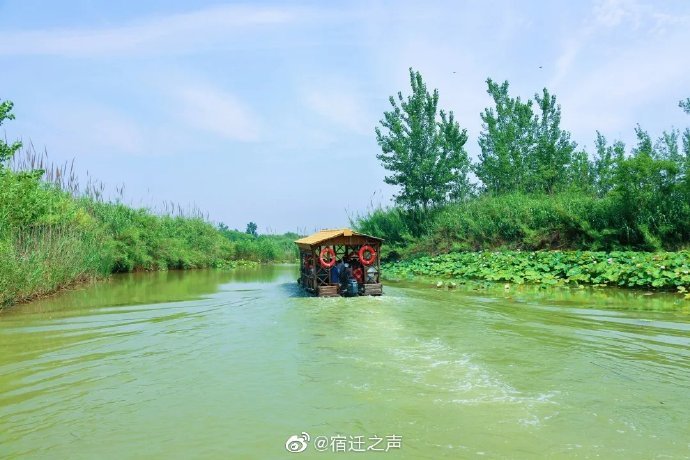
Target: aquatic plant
[{"x": 661, "y": 270}]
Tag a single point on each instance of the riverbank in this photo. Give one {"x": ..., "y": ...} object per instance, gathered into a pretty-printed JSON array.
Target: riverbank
[
  {"x": 52, "y": 238},
  {"x": 668, "y": 271}
]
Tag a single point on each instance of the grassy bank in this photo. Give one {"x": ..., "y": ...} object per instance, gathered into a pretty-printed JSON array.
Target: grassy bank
[
  {"x": 662, "y": 270},
  {"x": 54, "y": 234},
  {"x": 562, "y": 239},
  {"x": 569, "y": 220},
  {"x": 530, "y": 188},
  {"x": 51, "y": 238}
]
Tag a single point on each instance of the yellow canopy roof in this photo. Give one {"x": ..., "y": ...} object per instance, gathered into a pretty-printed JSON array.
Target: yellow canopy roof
[{"x": 324, "y": 235}]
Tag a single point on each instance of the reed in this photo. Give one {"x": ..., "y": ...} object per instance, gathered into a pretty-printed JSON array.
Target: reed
[{"x": 56, "y": 231}]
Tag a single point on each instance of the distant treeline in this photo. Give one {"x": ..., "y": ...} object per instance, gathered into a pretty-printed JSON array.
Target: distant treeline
[
  {"x": 534, "y": 188},
  {"x": 53, "y": 233}
]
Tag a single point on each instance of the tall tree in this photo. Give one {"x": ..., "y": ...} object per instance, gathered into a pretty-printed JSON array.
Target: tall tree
[
  {"x": 523, "y": 149},
  {"x": 7, "y": 151},
  {"x": 646, "y": 189},
  {"x": 606, "y": 160},
  {"x": 666, "y": 147},
  {"x": 580, "y": 173},
  {"x": 423, "y": 148},
  {"x": 553, "y": 151},
  {"x": 686, "y": 150},
  {"x": 685, "y": 156},
  {"x": 685, "y": 105},
  {"x": 251, "y": 229},
  {"x": 644, "y": 143},
  {"x": 506, "y": 140}
]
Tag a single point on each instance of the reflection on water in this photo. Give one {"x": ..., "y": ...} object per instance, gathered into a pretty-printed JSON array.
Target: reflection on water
[
  {"x": 146, "y": 288},
  {"x": 212, "y": 364}
]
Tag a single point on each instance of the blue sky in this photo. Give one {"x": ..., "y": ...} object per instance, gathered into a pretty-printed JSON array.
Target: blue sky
[{"x": 266, "y": 111}]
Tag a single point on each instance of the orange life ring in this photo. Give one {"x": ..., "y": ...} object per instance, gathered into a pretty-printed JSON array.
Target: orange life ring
[
  {"x": 372, "y": 255},
  {"x": 358, "y": 274},
  {"x": 327, "y": 251}
]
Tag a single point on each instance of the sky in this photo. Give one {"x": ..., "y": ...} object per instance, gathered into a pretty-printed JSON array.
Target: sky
[{"x": 265, "y": 111}]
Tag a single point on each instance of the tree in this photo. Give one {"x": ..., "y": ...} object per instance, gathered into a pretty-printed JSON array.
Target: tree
[
  {"x": 646, "y": 190},
  {"x": 553, "y": 152},
  {"x": 524, "y": 150},
  {"x": 580, "y": 174},
  {"x": 683, "y": 156},
  {"x": 685, "y": 105},
  {"x": 644, "y": 143},
  {"x": 251, "y": 229},
  {"x": 505, "y": 141},
  {"x": 606, "y": 160},
  {"x": 666, "y": 146},
  {"x": 7, "y": 151},
  {"x": 423, "y": 148}
]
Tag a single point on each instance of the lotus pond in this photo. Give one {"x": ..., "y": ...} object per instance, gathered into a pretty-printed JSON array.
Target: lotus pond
[{"x": 643, "y": 270}]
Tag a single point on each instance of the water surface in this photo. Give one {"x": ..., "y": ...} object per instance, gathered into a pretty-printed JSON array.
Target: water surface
[{"x": 211, "y": 364}]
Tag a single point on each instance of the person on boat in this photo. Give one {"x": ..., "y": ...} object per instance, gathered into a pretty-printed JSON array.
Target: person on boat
[
  {"x": 371, "y": 275},
  {"x": 335, "y": 272},
  {"x": 344, "y": 274}
]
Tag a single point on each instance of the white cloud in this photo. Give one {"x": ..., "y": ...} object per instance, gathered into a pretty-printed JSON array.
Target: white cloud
[
  {"x": 624, "y": 17},
  {"x": 172, "y": 33},
  {"x": 215, "y": 111},
  {"x": 611, "y": 13}
]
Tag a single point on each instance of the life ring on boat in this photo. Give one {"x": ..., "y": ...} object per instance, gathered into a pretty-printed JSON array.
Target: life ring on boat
[
  {"x": 327, "y": 251},
  {"x": 358, "y": 274},
  {"x": 362, "y": 255}
]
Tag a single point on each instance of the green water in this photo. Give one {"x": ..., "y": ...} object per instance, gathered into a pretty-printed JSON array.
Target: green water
[{"x": 210, "y": 364}]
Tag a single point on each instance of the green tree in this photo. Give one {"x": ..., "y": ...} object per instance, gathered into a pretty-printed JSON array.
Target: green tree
[
  {"x": 7, "y": 151},
  {"x": 685, "y": 157},
  {"x": 251, "y": 229},
  {"x": 523, "y": 149},
  {"x": 580, "y": 173},
  {"x": 685, "y": 105},
  {"x": 423, "y": 149},
  {"x": 553, "y": 152},
  {"x": 647, "y": 192},
  {"x": 606, "y": 160},
  {"x": 644, "y": 143},
  {"x": 506, "y": 140},
  {"x": 666, "y": 147}
]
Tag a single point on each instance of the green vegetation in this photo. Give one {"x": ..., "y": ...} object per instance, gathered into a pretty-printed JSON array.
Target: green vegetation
[
  {"x": 427, "y": 157},
  {"x": 249, "y": 246},
  {"x": 662, "y": 270},
  {"x": 52, "y": 235},
  {"x": 536, "y": 190},
  {"x": 251, "y": 229},
  {"x": 568, "y": 220},
  {"x": 522, "y": 150}
]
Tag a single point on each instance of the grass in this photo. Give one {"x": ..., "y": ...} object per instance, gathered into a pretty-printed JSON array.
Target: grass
[
  {"x": 564, "y": 239},
  {"x": 53, "y": 233},
  {"x": 41, "y": 261},
  {"x": 572, "y": 220}
]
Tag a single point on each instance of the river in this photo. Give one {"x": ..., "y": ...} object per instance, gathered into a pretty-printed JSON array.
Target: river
[{"x": 213, "y": 364}]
